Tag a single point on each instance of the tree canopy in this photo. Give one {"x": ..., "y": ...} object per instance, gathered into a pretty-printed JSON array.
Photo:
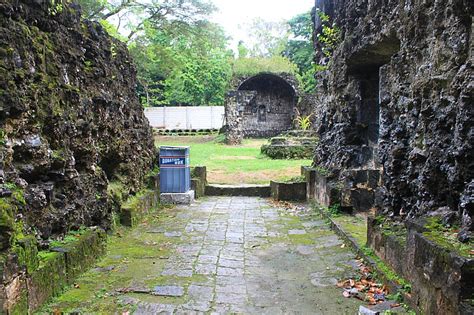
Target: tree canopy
[{"x": 183, "y": 59}]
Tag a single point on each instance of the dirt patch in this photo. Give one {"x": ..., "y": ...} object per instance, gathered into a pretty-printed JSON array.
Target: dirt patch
[
  {"x": 260, "y": 177},
  {"x": 235, "y": 158}
]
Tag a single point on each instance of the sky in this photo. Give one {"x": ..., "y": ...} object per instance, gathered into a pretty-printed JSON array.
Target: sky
[{"x": 234, "y": 13}]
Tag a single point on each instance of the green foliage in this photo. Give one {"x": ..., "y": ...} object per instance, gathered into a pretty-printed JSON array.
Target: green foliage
[
  {"x": 334, "y": 210},
  {"x": 299, "y": 50},
  {"x": 254, "y": 65},
  {"x": 322, "y": 170},
  {"x": 187, "y": 66},
  {"x": 56, "y": 7},
  {"x": 303, "y": 122},
  {"x": 307, "y": 80},
  {"x": 329, "y": 36},
  {"x": 131, "y": 16}
]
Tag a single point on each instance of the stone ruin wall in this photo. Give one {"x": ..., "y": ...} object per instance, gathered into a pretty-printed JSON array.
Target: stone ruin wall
[
  {"x": 70, "y": 121},
  {"x": 242, "y": 105},
  {"x": 398, "y": 96},
  {"x": 277, "y": 102}
]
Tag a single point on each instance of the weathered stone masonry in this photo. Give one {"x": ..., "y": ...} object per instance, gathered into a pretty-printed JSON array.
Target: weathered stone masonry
[
  {"x": 396, "y": 126},
  {"x": 398, "y": 95},
  {"x": 73, "y": 134},
  {"x": 262, "y": 105}
]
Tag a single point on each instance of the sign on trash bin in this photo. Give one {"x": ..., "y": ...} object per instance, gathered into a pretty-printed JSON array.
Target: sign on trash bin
[{"x": 175, "y": 173}]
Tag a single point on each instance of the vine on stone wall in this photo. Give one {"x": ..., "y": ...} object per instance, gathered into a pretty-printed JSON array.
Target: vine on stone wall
[{"x": 329, "y": 37}]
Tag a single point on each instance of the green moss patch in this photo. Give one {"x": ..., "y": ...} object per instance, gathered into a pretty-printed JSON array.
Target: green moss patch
[{"x": 446, "y": 237}]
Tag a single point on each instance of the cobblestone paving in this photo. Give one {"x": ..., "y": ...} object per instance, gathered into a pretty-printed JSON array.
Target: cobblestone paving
[{"x": 222, "y": 255}]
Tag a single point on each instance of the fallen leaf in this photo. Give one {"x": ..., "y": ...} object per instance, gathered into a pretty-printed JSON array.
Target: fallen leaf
[{"x": 394, "y": 305}]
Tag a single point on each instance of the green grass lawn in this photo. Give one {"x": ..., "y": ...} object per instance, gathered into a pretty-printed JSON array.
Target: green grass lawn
[{"x": 242, "y": 164}]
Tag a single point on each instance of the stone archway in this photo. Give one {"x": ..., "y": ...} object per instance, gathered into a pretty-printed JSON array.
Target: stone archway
[{"x": 269, "y": 108}]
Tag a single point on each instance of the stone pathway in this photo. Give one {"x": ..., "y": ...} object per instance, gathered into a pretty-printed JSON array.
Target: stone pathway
[{"x": 219, "y": 255}]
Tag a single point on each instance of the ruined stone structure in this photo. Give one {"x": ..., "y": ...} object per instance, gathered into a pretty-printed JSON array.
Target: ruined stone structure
[
  {"x": 396, "y": 127},
  {"x": 261, "y": 106},
  {"x": 72, "y": 130}
]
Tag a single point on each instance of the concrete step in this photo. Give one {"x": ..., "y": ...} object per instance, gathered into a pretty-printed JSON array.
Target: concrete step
[{"x": 238, "y": 190}]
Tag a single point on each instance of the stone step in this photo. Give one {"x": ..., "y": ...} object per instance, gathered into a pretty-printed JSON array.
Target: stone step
[{"x": 238, "y": 190}]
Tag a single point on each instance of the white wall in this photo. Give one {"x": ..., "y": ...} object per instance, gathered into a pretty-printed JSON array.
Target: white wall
[{"x": 187, "y": 118}]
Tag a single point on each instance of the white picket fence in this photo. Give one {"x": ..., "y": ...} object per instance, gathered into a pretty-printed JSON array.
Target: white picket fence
[{"x": 186, "y": 118}]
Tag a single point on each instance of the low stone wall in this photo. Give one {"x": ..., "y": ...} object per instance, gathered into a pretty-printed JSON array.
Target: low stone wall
[
  {"x": 320, "y": 187},
  {"x": 29, "y": 278},
  {"x": 288, "y": 191},
  {"x": 244, "y": 190},
  {"x": 291, "y": 145},
  {"x": 441, "y": 278},
  {"x": 132, "y": 211}
]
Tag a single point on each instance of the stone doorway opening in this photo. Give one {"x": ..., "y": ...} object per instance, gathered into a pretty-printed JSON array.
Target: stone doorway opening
[
  {"x": 368, "y": 111},
  {"x": 366, "y": 71}
]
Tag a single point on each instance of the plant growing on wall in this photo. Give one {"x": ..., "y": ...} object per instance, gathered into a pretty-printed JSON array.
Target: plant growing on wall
[{"x": 329, "y": 36}]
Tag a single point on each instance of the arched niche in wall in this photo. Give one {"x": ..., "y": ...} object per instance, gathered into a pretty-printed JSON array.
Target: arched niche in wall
[{"x": 271, "y": 111}]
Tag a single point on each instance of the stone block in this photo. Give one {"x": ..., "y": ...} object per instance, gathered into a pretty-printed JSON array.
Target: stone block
[
  {"x": 15, "y": 296},
  {"x": 178, "y": 198},
  {"x": 200, "y": 172},
  {"x": 310, "y": 177},
  {"x": 27, "y": 252},
  {"x": 131, "y": 212},
  {"x": 198, "y": 187},
  {"x": 288, "y": 191},
  {"x": 239, "y": 190},
  {"x": 326, "y": 191},
  {"x": 441, "y": 279},
  {"x": 47, "y": 281},
  {"x": 82, "y": 253},
  {"x": 361, "y": 199}
]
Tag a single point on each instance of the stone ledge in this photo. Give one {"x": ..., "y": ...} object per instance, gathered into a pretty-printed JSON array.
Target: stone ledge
[
  {"x": 177, "y": 198},
  {"x": 241, "y": 190},
  {"x": 131, "y": 211},
  {"x": 28, "y": 279},
  {"x": 358, "y": 248},
  {"x": 288, "y": 191},
  {"x": 435, "y": 271},
  {"x": 27, "y": 289}
]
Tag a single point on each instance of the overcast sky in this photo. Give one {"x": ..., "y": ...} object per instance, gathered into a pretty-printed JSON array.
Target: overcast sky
[{"x": 232, "y": 13}]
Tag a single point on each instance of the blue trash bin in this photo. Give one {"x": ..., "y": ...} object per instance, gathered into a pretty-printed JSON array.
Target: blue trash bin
[{"x": 175, "y": 173}]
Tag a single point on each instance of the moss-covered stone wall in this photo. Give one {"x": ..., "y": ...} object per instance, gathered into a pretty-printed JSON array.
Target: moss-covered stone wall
[{"x": 72, "y": 130}]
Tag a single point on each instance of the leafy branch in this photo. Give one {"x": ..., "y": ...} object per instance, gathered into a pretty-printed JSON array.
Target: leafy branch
[{"x": 330, "y": 34}]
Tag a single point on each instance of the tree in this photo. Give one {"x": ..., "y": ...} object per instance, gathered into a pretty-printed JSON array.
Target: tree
[
  {"x": 177, "y": 68},
  {"x": 266, "y": 38},
  {"x": 131, "y": 16},
  {"x": 299, "y": 49}
]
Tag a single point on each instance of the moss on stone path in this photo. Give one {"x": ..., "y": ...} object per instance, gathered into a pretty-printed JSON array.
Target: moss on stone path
[{"x": 224, "y": 255}]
